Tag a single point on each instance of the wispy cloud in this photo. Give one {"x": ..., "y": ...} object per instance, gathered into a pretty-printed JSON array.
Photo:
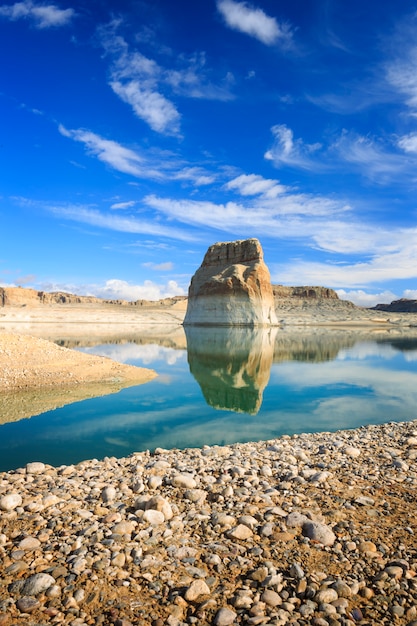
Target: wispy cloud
[
  {"x": 290, "y": 152},
  {"x": 376, "y": 159},
  {"x": 149, "y": 104},
  {"x": 254, "y": 22},
  {"x": 42, "y": 15},
  {"x": 148, "y": 87},
  {"x": 123, "y": 205},
  {"x": 112, "y": 221},
  {"x": 398, "y": 264},
  {"x": 154, "y": 166},
  {"x": 160, "y": 267}
]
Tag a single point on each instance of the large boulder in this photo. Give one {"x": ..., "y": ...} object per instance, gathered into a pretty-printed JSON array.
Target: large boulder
[{"x": 232, "y": 287}]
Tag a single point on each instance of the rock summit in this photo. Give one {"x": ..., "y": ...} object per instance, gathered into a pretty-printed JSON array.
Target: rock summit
[{"x": 232, "y": 287}]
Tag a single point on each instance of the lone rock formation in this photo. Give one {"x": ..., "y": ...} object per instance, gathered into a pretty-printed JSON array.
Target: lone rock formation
[{"x": 232, "y": 287}]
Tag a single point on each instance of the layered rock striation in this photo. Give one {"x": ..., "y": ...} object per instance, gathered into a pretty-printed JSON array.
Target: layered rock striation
[{"x": 232, "y": 287}]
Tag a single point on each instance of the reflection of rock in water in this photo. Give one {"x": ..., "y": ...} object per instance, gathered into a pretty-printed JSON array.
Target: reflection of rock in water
[{"x": 231, "y": 365}]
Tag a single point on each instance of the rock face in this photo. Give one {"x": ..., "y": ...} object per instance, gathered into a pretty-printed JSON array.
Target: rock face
[
  {"x": 398, "y": 306},
  {"x": 232, "y": 287},
  {"x": 305, "y": 292}
]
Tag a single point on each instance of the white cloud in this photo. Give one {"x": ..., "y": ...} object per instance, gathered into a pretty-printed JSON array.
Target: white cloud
[
  {"x": 116, "y": 289},
  {"x": 120, "y": 289},
  {"x": 253, "y": 185},
  {"x": 43, "y": 16},
  {"x": 150, "y": 105},
  {"x": 254, "y": 22},
  {"x": 401, "y": 73},
  {"x": 398, "y": 261},
  {"x": 154, "y": 166},
  {"x": 118, "y": 223},
  {"x": 160, "y": 267},
  {"x": 408, "y": 143},
  {"x": 148, "y": 87},
  {"x": 110, "y": 152},
  {"x": 410, "y": 294},
  {"x": 368, "y": 300},
  {"x": 293, "y": 153},
  {"x": 123, "y": 205},
  {"x": 374, "y": 159}
]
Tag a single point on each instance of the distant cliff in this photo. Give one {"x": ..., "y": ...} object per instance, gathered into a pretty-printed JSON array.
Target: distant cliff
[
  {"x": 303, "y": 296},
  {"x": 398, "y": 306},
  {"x": 20, "y": 296}
]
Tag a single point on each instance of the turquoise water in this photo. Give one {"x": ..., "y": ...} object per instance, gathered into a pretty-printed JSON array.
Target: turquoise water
[{"x": 229, "y": 386}]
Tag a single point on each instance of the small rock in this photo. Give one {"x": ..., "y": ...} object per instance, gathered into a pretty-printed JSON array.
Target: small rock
[
  {"x": 27, "y": 604},
  {"x": 108, "y": 494},
  {"x": 197, "y": 589},
  {"x": 184, "y": 480},
  {"x": 35, "y": 468},
  {"x": 29, "y": 543},
  {"x": 10, "y": 501},
  {"x": 36, "y": 584},
  {"x": 224, "y": 617},
  {"x": 153, "y": 517},
  {"x": 319, "y": 532},
  {"x": 240, "y": 532},
  {"x": 271, "y": 598}
]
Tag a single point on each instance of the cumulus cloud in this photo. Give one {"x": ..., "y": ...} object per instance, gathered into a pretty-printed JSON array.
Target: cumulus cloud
[
  {"x": 365, "y": 299},
  {"x": 117, "y": 289},
  {"x": 121, "y": 289},
  {"x": 42, "y": 15},
  {"x": 254, "y": 22}
]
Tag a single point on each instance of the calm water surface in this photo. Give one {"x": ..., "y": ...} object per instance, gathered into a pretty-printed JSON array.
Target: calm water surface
[{"x": 229, "y": 386}]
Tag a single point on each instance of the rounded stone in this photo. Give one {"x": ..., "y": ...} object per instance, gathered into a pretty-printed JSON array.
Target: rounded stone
[
  {"x": 108, "y": 494},
  {"x": 271, "y": 598},
  {"x": 184, "y": 480},
  {"x": 240, "y": 532},
  {"x": 326, "y": 596},
  {"x": 224, "y": 617},
  {"x": 153, "y": 517},
  {"x": 36, "y": 584},
  {"x": 197, "y": 589},
  {"x": 319, "y": 532},
  {"x": 10, "y": 501},
  {"x": 29, "y": 543},
  {"x": 36, "y": 467},
  {"x": 27, "y": 604}
]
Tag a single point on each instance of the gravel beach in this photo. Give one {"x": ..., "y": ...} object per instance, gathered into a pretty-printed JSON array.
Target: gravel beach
[{"x": 311, "y": 529}]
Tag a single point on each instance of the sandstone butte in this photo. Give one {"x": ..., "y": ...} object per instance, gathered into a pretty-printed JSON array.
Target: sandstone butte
[{"x": 232, "y": 287}]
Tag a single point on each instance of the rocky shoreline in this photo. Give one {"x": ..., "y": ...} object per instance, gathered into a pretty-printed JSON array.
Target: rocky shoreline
[{"x": 311, "y": 529}]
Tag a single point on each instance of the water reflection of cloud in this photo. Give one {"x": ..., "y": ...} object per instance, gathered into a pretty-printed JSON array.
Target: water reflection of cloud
[
  {"x": 385, "y": 383},
  {"x": 367, "y": 349},
  {"x": 147, "y": 354}
]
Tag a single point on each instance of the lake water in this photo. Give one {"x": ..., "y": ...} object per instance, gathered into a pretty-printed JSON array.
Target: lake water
[{"x": 229, "y": 386}]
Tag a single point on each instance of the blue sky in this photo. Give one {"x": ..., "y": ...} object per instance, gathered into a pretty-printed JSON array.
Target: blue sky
[{"x": 137, "y": 133}]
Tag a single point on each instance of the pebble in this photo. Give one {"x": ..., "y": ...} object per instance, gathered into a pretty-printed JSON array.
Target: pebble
[
  {"x": 10, "y": 501},
  {"x": 311, "y": 529}
]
